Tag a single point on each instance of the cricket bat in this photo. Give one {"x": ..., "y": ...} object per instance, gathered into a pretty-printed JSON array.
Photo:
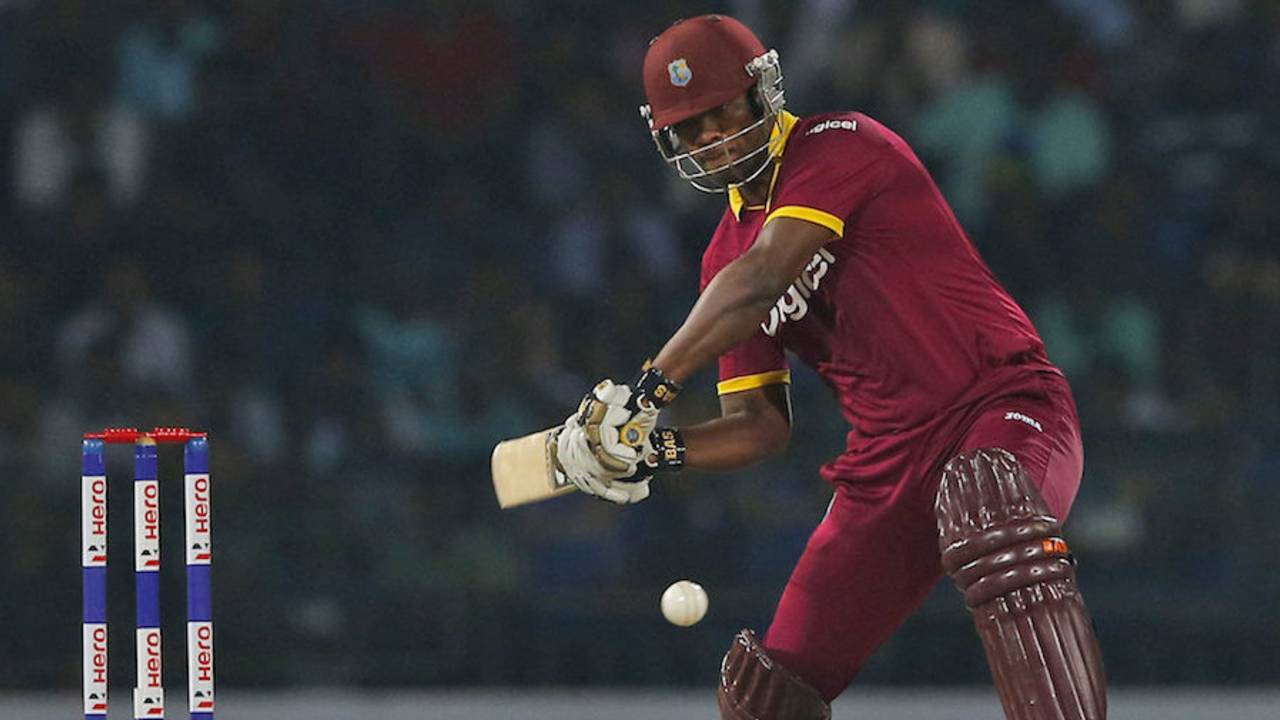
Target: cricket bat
[{"x": 523, "y": 471}]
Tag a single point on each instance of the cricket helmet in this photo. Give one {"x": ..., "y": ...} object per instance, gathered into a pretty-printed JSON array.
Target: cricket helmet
[{"x": 699, "y": 64}]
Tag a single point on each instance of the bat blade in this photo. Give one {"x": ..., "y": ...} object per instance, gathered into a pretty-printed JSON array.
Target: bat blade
[{"x": 523, "y": 471}]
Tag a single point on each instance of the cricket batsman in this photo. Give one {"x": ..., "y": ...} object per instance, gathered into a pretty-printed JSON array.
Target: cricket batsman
[{"x": 964, "y": 452}]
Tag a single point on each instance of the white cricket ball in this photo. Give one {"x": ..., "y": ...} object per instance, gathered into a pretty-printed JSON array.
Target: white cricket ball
[{"x": 684, "y": 603}]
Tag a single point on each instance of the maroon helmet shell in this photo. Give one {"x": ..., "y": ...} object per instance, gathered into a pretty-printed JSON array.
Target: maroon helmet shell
[{"x": 697, "y": 64}]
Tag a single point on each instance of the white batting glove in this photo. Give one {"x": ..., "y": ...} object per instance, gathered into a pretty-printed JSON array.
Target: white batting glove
[
  {"x": 616, "y": 428},
  {"x": 578, "y": 464}
]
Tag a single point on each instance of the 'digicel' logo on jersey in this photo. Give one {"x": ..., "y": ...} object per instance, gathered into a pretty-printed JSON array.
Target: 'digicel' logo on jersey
[
  {"x": 794, "y": 303},
  {"x": 849, "y": 125}
]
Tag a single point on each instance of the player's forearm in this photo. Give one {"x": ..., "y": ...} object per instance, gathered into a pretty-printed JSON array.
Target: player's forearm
[
  {"x": 728, "y": 312},
  {"x": 731, "y": 442}
]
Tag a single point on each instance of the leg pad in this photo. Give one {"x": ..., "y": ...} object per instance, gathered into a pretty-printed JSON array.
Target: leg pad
[
  {"x": 755, "y": 687},
  {"x": 1004, "y": 550}
]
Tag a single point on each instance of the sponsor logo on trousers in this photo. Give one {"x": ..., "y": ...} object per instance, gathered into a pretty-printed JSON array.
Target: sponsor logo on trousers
[{"x": 1011, "y": 415}]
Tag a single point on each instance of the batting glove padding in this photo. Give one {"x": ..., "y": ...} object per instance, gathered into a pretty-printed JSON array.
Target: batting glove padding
[
  {"x": 616, "y": 427},
  {"x": 610, "y": 448},
  {"x": 577, "y": 463}
]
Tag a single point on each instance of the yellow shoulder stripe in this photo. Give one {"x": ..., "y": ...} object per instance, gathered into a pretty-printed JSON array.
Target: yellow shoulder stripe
[
  {"x": 751, "y": 382},
  {"x": 813, "y": 215}
]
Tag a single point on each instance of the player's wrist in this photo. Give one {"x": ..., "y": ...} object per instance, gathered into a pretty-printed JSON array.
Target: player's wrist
[
  {"x": 668, "y": 449},
  {"x": 655, "y": 387}
]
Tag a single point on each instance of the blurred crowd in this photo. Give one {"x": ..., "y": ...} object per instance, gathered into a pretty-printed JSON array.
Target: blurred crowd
[{"x": 359, "y": 241}]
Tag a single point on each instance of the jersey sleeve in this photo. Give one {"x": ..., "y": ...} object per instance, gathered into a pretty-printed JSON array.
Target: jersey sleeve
[
  {"x": 830, "y": 175},
  {"x": 757, "y": 361}
]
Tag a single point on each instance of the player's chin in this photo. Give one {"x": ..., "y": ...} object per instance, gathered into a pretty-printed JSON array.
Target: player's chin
[
  {"x": 723, "y": 178},
  {"x": 731, "y": 174}
]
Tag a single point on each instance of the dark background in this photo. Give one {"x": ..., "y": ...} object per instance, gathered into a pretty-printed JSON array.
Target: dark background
[{"x": 360, "y": 242}]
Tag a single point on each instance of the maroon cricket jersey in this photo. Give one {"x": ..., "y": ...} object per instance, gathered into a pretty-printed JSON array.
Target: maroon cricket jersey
[{"x": 897, "y": 313}]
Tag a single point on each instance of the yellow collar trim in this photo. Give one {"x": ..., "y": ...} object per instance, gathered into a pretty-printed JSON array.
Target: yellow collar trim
[{"x": 778, "y": 142}]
